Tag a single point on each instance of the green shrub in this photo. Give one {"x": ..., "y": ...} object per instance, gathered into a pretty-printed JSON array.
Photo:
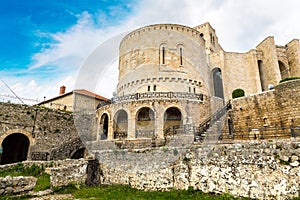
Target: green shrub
[
  {"x": 238, "y": 93},
  {"x": 288, "y": 79}
]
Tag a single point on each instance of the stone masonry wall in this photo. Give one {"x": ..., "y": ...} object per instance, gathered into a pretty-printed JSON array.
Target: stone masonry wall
[
  {"x": 45, "y": 128},
  {"x": 16, "y": 185},
  {"x": 276, "y": 110},
  {"x": 263, "y": 170},
  {"x": 256, "y": 169}
]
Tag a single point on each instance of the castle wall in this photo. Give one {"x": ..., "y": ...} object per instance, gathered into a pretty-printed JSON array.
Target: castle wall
[
  {"x": 270, "y": 67},
  {"x": 293, "y": 53},
  {"x": 239, "y": 70},
  {"x": 45, "y": 128},
  {"x": 257, "y": 169},
  {"x": 275, "y": 110}
]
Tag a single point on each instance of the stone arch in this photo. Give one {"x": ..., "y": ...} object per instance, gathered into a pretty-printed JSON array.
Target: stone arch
[
  {"x": 120, "y": 124},
  {"x": 218, "y": 82},
  {"x": 15, "y": 148},
  {"x": 104, "y": 126},
  {"x": 284, "y": 71},
  {"x": 17, "y": 130},
  {"x": 78, "y": 153},
  {"x": 172, "y": 118},
  {"x": 145, "y": 122}
]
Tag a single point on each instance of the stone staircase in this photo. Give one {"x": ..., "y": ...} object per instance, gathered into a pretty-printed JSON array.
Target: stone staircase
[{"x": 210, "y": 129}]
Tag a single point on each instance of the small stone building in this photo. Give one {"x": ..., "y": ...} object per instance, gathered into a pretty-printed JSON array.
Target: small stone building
[
  {"x": 69, "y": 101},
  {"x": 173, "y": 76}
]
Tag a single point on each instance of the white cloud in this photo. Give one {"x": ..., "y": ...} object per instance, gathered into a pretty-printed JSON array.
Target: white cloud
[{"x": 240, "y": 26}]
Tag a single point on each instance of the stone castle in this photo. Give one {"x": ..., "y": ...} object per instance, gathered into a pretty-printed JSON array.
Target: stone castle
[
  {"x": 173, "y": 76},
  {"x": 174, "y": 82}
]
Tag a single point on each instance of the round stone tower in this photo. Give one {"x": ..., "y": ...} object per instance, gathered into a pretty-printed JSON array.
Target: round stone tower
[{"x": 163, "y": 84}]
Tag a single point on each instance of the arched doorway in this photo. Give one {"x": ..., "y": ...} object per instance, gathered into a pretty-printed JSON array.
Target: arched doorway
[
  {"x": 218, "y": 83},
  {"x": 172, "y": 120},
  {"x": 15, "y": 148},
  {"x": 79, "y": 153},
  {"x": 120, "y": 124},
  {"x": 145, "y": 123},
  {"x": 284, "y": 72},
  {"x": 104, "y": 127}
]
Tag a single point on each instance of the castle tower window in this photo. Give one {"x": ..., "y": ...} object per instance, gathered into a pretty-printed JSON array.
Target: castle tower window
[
  {"x": 180, "y": 53},
  {"x": 194, "y": 90},
  {"x": 212, "y": 39},
  {"x": 189, "y": 89},
  {"x": 163, "y": 55},
  {"x": 148, "y": 88},
  {"x": 154, "y": 88},
  {"x": 201, "y": 35}
]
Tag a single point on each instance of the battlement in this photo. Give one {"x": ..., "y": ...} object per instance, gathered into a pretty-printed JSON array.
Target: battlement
[{"x": 172, "y": 27}]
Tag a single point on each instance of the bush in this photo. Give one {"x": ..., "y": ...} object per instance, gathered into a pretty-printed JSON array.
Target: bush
[
  {"x": 288, "y": 79},
  {"x": 238, "y": 93}
]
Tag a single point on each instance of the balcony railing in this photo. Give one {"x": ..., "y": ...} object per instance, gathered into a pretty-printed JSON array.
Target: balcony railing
[{"x": 158, "y": 95}]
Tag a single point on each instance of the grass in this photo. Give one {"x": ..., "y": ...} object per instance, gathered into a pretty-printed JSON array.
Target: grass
[
  {"x": 120, "y": 192},
  {"x": 43, "y": 182}
]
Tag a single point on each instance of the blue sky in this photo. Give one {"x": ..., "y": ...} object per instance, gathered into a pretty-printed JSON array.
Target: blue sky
[{"x": 44, "y": 43}]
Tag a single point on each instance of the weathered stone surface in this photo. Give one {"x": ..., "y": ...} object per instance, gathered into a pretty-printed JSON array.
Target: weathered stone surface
[
  {"x": 67, "y": 172},
  {"x": 245, "y": 169},
  {"x": 16, "y": 185}
]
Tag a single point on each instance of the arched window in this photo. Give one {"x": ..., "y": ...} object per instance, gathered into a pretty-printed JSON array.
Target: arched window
[
  {"x": 218, "y": 83},
  {"x": 163, "y": 55},
  {"x": 149, "y": 88},
  {"x": 180, "y": 53},
  {"x": 154, "y": 88}
]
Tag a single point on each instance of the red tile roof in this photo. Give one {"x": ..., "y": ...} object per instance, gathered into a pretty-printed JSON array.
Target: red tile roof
[
  {"x": 90, "y": 94},
  {"x": 81, "y": 91}
]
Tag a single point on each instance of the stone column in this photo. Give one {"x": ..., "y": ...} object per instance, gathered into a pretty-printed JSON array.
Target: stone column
[
  {"x": 110, "y": 133},
  {"x": 131, "y": 125},
  {"x": 159, "y": 120}
]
